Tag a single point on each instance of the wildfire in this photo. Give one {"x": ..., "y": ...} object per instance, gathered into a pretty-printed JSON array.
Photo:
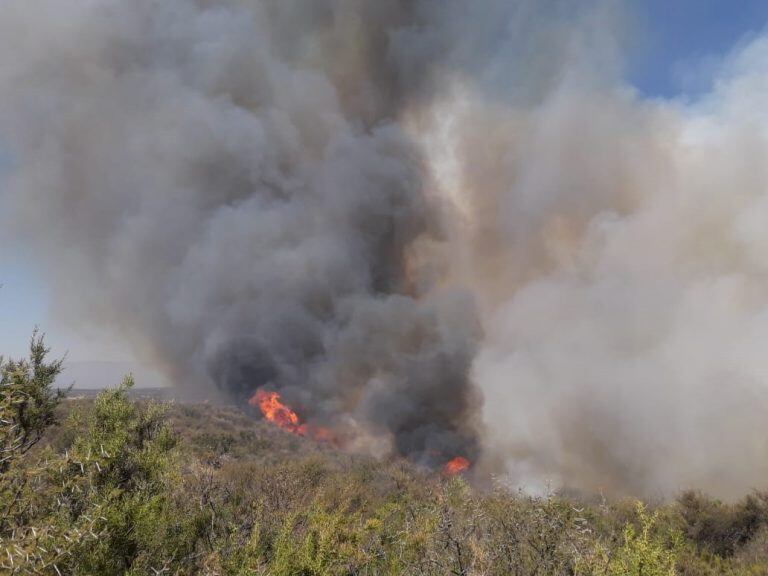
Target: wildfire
[
  {"x": 455, "y": 466},
  {"x": 275, "y": 411},
  {"x": 281, "y": 415}
]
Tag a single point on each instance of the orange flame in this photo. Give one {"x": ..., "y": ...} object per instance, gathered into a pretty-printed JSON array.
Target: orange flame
[
  {"x": 275, "y": 411},
  {"x": 455, "y": 466}
]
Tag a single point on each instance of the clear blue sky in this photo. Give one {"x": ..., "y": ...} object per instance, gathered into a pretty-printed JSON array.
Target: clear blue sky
[
  {"x": 23, "y": 303},
  {"x": 677, "y": 39}
]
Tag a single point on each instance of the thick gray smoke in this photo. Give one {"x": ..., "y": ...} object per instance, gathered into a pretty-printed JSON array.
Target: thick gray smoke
[
  {"x": 392, "y": 210},
  {"x": 227, "y": 184}
]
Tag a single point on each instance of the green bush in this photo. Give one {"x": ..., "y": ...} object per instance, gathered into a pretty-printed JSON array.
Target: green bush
[
  {"x": 722, "y": 528},
  {"x": 127, "y": 487},
  {"x": 643, "y": 551}
]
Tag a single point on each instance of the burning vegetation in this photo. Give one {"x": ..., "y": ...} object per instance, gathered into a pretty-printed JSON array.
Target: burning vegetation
[
  {"x": 276, "y": 412},
  {"x": 456, "y": 466},
  {"x": 202, "y": 489},
  {"x": 273, "y": 410},
  {"x": 450, "y": 223}
]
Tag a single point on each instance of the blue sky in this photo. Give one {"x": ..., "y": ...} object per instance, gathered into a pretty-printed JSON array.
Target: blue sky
[
  {"x": 679, "y": 38},
  {"x": 679, "y": 41},
  {"x": 23, "y": 303}
]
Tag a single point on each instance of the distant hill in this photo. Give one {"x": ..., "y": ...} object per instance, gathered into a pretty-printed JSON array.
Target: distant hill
[
  {"x": 163, "y": 394},
  {"x": 100, "y": 375}
]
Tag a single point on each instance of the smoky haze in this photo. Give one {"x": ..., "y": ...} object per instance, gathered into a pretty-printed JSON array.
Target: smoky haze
[{"x": 441, "y": 228}]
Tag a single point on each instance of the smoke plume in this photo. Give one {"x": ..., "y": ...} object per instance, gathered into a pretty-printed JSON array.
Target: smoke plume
[{"x": 447, "y": 228}]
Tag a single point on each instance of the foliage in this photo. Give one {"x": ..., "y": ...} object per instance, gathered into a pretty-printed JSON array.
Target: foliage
[
  {"x": 127, "y": 487},
  {"x": 644, "y": 552},
  {"x": 98, "y": 508},
  {"x": 27, "y": 402},
  {"x": 722, "y": 528}
]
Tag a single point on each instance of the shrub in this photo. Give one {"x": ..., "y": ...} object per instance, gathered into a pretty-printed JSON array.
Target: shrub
[
  {"x": 126, "y": 487},
  {"x": 722, "y": 528},
  {"x": 644, "y": 552}
]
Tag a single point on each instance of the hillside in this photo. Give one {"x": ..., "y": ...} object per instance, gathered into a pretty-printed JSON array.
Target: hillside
[{"x": 123, "y": 486}]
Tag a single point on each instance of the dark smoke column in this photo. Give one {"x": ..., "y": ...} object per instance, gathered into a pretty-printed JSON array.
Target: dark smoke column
[{"x": 229, "y": 186}]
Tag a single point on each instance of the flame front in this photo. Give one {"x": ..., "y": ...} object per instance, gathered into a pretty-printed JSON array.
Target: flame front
[
  {"x": 455, "y": 466},
  {"x": 276, "y": 412},
  {"x": 273, "y": 410}
]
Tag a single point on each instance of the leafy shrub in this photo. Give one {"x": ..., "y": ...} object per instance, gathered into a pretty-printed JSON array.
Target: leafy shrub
[
  {"x": 644, "y": 552},
  {"x": 722, "y": 528},
  {"x": 134, "y": 487}
]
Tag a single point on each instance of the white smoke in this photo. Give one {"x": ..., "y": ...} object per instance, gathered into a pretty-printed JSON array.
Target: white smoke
[{"x": 624, "y": 347}]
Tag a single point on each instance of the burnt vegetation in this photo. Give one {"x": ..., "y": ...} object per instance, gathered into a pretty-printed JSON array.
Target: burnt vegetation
[{"x": 114, "y": 485}]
